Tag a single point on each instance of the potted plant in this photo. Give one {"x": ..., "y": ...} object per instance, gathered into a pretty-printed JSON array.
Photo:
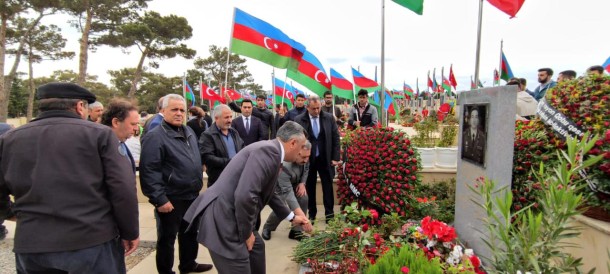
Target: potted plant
[
  {"x": 425, "y": 140},
  {"x": 446, "y": 148}
]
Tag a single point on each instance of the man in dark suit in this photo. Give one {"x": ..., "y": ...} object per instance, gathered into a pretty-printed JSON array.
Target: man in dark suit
[
  {"x": 473, "y": 138},
  {"x": 250, "y": 128},
  {"x": 324, "y": 138},
  {"x": 219, "y": 143},
  {"x": 230, "y": 207},
  {"x": 260, "y": 111}
]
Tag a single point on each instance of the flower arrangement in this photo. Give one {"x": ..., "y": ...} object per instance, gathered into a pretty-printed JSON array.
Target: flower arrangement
[
  {"x": 585, "y": 102},
  {"x": 380, "y": 171}
]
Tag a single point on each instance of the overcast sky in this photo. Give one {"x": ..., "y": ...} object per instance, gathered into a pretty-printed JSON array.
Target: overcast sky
[{"x": 560, "y": 34}]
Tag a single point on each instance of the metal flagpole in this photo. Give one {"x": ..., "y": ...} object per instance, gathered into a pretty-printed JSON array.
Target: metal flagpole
[
  {"x": 201, "y": 88},
  {"x": 500, "y": 64},
  {"x": 273, "y": 101},
  {"x": 228, "y": 56},
  {"x": 186, "y": 104},
  {"x": 478, "y": 54},
  {"x": 355, "y": 106},
  {"x": 382, "y": 92}
]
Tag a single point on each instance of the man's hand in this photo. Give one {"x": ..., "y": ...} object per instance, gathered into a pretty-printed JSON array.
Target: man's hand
[
  {"x": 357, "y": 123},
  {"x": 227, "y": 98},
  {"x": 166, "y": 208},
  {"x": 307, "y": 227},
  {"x": 130, "y": 246},
  {"x": 250, "y": 242},
  {"x": 335, "y": 163},
  {"x": 301, "y": 190}
]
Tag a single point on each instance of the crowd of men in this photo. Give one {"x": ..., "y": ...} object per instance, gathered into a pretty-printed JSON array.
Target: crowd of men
[{"x": 77, "y": 212}]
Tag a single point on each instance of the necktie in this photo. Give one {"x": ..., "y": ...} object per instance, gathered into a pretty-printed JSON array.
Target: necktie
[
  {"x": 248, "y": 125},
  {"x": 316, "y": 132}
]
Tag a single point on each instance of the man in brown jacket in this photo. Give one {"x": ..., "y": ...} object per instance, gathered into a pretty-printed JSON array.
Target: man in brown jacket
[{"x": 75, "y": 194}]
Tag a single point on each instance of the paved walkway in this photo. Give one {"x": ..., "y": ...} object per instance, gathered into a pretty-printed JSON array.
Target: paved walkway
[{"x": 279, "y": 248}]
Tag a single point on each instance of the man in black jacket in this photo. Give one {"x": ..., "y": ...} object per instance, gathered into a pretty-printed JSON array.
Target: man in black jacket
[
  {"x": 219, "y": 143},
  {"x": 299, "y": 108},
  {"x": 324, "y": 138},
  {"x": 171, "y": 176},
  {"x": 75, "y": 197}
]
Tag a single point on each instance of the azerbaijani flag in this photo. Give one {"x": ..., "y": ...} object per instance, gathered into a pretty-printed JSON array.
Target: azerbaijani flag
[
  {"x": 496, "y": 77},
  {"x": 472, "y": 84},
  {"x": 407, "y": 90},
  {"x": 340, "y": 86},
  {"x": 446, "y": 85},
  {"x": 362, "y": 82},
  {"x": 429, "y": 80},
  {"x": 311, "y": 74},
  {"x": 434, "y": 84},
  {"x": 606, "y": 65},
  {"x": 283, "y": 92},
  {"x": 398, "y": 94},
  {"x": 416, "y": 6},
  {"x": 262, "y": 41},
  {"x": 505, "y": 72},
  {"x": 188, "y": 93}
]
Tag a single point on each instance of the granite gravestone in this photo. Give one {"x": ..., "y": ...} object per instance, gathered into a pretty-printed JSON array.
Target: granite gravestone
[{"x": 485, "y": 149}]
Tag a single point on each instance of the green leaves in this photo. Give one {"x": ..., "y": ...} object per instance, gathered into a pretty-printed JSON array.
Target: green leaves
[{"x": 526, "y": 240}]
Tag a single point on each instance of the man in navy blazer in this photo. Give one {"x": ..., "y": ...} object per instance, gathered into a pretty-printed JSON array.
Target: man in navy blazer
[
  {"x": 225, "y": 214},
  {"x": 250, "y": 128}
]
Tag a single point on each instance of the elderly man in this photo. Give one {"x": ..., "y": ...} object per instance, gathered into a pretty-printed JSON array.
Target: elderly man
[
  {"x": 219, "y": 143},
  {"x": 291, "y": 181},
  {"x": 95, "y": 112},
  {"x": 230, "y": 207},
  {"x": 324, "y": 137},
  {"x": 75, "y": 197},
  {"x": 123, "y": 118},
  {"x": 171, "y": 176}
]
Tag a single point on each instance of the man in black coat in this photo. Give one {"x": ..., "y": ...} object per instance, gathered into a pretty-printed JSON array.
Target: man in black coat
[
  {"x": 299, "y": 108},
  {"x": 219, "y": 143},
  {"x": 324, "y": 138},
  {"x": 75, "y": 197},
  {"x": 250, "y": 128},
  {"x": 171, "y": 177}
]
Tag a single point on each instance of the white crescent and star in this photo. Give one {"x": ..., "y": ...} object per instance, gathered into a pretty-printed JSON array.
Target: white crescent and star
[
  {"x": 265, "y": 42},
  {"x": 315, "y": 77}
]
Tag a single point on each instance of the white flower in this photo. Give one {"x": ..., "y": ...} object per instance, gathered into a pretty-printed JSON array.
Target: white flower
[
  {"x": 431, "y": 243},
  {"x": 469, "y": 252}
]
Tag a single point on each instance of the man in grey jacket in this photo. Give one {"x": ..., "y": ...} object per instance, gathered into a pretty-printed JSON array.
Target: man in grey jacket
[{"x": 291, "y": 189}]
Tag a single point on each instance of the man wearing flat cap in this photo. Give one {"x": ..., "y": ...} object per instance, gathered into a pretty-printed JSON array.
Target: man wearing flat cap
[
  {"x": 75, "y": 198},
  {"x": 362, "y": 113}
]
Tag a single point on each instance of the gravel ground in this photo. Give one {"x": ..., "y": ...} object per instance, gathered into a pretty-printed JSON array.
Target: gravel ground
[{"x": 7, "y": 257}]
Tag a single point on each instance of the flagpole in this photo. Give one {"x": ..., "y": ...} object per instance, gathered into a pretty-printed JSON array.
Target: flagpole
[
  {"x": 500, "y": 63},
  {"x": 382, "y": 98},
  {"x": 228, "y": 56},
  {"x": 210, "y": 107},
  {"x": 200, "y": 88},
  {"x": 273, "y": 101},
  {"x": 186, "y": 104},
  {"x": 478, "y": 54},
  {"x": 284, "y": 91}
]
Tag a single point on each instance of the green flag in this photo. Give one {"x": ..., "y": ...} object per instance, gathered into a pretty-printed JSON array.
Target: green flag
[{"x": 416, "y": 6}]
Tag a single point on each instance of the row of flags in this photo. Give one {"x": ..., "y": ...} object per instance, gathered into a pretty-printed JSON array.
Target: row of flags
[{"x": 257, "y": 39}]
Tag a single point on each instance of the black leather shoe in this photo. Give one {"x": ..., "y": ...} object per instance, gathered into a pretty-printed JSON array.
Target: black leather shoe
[
  {"x": 296, "y": 235},
  {"x": 266, "y": 234},
  {"x": 198, "y": 269}
]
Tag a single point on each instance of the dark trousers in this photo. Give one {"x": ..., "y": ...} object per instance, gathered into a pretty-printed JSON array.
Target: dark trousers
[
  {"x": 255, "y": 264},
  {"x": 108, "y": 257},
  {"x": 168, "y": 226},
  {"x": 319, "y": 166}
]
